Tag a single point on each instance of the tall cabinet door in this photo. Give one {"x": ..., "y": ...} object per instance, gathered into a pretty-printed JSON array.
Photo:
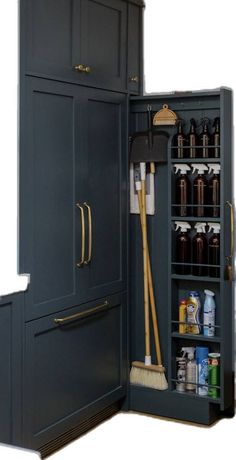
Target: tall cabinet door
[
  {"x": 51, "y": 177},
  {"x": 105, "y": 192}
]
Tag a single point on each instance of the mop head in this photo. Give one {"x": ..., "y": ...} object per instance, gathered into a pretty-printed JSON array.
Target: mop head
[{"x": 151, "y": 376}]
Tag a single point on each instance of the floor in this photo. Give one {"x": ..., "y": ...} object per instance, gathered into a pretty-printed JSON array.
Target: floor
[{"x": 133, "y": 436}]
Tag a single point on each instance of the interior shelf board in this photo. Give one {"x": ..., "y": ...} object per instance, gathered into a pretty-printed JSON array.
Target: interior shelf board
[
  {"x": 196, "y": 219},
  {"x": 207, "y": 279},
  {"x": 199, "y": 337},
  {"x": 195, "y": 160},
  {"x": 196, "y": 396}
]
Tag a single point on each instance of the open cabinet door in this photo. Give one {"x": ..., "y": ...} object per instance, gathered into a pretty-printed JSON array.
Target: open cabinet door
[{"x": 171, "y": 286}]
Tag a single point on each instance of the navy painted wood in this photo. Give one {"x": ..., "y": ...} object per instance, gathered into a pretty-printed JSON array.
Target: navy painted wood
[
  {"x": 135, "y": 49},
  {"x": 73, "y": 371},
  {"x": 6, "y": 372}
]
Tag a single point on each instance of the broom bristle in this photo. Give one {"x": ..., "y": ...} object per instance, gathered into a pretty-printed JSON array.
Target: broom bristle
[{"x": 148, "y": 377}]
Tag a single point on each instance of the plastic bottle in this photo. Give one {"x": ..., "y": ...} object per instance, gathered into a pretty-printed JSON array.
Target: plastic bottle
[
  {"x": 182, "y": 189},
  {"x": 199, "y": 244},
  {"x": 182, "y": 317},
  {"x": 193, "y": 313},
  {"x": 214, "y": 190},
  {"x": 181, "y": 374},
  {"x": 215, "y": 139},
  {"x": 214, "y": 249},
  {"x": 204, "y": 139},
  {"x": 199, "y": 189},
  {"x": 183, "y": 248},
  {"x": 191, "y": 369},
  {"x": 209, "y": 310},
  {"x": 179, "y": 141},
  {"x": 192, "y": 140},
  {"x": 202, "y": 370}
]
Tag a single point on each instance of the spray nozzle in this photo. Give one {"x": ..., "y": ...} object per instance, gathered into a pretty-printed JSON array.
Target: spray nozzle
[
  {"x": 200, "y": 227},
  {"x": 216, "y": 122},
  {"x": 189, "y": 351},
  {"x": 214, "y": 226},
  {"x": 183, "y": 168},
  {"x": 214, "y": 167},
  {"x": 200, "y": 167},
  {"x": 184, "y": 226},
  {"x": 205, "y": 121}
]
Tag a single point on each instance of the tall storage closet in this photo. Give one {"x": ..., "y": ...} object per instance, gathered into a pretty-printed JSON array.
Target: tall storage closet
[{"x": 79, "y": 326}]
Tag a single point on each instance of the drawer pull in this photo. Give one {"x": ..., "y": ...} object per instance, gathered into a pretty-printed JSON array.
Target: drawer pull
[
  {"x": 83, "y": 314},
  {"x": 134, "y": 79},
  {"x": 81, "y": 263},
  {"x": 82, "y": 68},
  {"x": 88, "y": 260}
]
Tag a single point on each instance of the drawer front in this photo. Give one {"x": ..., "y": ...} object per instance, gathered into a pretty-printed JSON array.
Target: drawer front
[{"x": 75, "y": 366}]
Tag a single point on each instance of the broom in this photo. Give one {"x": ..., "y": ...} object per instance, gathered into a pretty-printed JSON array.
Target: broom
[{"x": 146, "y": 374}]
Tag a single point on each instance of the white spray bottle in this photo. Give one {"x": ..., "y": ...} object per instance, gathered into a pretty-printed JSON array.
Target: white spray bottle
[{"x": 191, "y": 369}]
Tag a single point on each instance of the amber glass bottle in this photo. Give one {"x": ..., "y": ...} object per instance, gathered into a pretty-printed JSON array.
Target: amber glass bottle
[
  {"x": 204, "y": 139},
  {"x": 215, "y": 139},
  {"x": 179, "y": 141},
  {"x": 192, "y": 140}
]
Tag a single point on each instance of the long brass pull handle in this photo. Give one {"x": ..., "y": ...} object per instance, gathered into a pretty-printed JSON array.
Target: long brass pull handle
[
  {"x": 81, "y": 263},
  {"x": 84, "y": 314},
  {"x": 82, "y": 68},
  {"x": 88, "y": 260},
  {"x": 231, "y": 227}
]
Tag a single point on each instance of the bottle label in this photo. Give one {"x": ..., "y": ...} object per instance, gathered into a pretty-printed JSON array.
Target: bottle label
[{"x": 209, "y": 323}]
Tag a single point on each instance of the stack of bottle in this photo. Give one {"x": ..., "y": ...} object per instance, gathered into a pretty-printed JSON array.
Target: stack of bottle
[
  {"x": 198, "y": 371},
  {"x": 192, "y": 320},
  {"x": 192, "y": 145},
  {"x": 206, "y": 192},
  {"x": 198, "y": 255}
]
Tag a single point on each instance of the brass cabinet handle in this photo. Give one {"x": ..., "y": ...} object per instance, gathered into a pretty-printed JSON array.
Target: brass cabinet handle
[
  {"x": 81, "y": 263},
  {"x": 82, "y": 68},
  {"x": 231, "y": 228},
  {"x": 83, "y": 314},
  {"x": 134, "y": 79},
  {"x": 88, "y": 260}
]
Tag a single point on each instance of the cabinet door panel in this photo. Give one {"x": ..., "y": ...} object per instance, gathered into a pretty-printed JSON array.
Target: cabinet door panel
[
  {"x": 106, "y": 192},
  {"x": 103, "y": 42},
  {"x": 135, "y": 49},
  {"x": 49, "y": 180},
  {"x": 74, "y": 370}
]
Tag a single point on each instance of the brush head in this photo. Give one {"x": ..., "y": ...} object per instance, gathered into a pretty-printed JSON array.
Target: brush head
[{"x": 149, "y": 376}]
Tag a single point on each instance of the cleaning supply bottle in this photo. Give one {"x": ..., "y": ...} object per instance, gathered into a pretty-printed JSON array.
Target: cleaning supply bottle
[
  {"x": 202, "y": 370},
  {"x": 204, "y": 139},
  {"x": 199, "y": 245},
  {"x": 215, "y": 139},
  {"x": 209, "y": 310},
  {"x": 199, "y": 189},
  {"x": 182, "y": 189},
  {"x": 192, "y": 140},
  {"x": 193, "y": 313},
  {"x": 183, "y": 248},
  {"x": 214, "y": 249},
  {"x": 179, "y": 141},
  {"x": 191, "y": 369},
  {"x": 214, "y": 190},
  {"x": 182, "y": 317}
]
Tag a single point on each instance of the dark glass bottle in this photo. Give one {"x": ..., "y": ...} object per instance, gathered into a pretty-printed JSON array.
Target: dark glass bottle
[
  {"x": 182, "y": 190},
  {"x": 199, "y": 191},
  {"x": 179, "y": 141},
  {"x": 192, "y": 140},
  {"x": 183, "y": 249},
  {"x": 214, "y": 251},
  {"x": 215, "y": 139},
  {"x": 214, "y": 191},
  {"x": 204, "y": 139},
  {"x": 200, "y": 251}
]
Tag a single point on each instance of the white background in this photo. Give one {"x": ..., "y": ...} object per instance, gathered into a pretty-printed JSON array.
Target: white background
[{"x": 188, "y": 45}]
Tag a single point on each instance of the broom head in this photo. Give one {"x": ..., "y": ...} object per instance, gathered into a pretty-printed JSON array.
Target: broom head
[{"x": 151, "y": 376}]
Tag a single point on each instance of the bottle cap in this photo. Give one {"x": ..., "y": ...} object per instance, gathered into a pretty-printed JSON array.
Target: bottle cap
[
  {"x": 184, "y": 226},
  {"x": 207, "y": 292},
  {"x": 215, "y": 167},
  {"x": 214, "y": 227},
  {"x": 200, "y": 227},
  {"x": 183, "y": 168},
  {"x": 200, "y": 167}
]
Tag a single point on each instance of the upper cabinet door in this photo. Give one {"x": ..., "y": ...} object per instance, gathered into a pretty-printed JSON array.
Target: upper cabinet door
[
  {"x": 103, "y": 42},
  {"x": 135, "y": 51},
  {"x": 82, "y": 41}
]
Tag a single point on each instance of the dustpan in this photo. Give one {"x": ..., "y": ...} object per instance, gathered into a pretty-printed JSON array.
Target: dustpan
[{"x": 149, "y": 146}]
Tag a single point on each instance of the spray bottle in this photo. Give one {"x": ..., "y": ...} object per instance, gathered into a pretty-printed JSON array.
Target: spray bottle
[
  {"x": 183, "y": 248},
  {"x": 214, "y": 190},
  {"x": 179, "y": 140},
  {"x": 199, "y": 189},
  {"x": 214, "y": 249},
  {"x": 215, "y": 139},
  {"x": 205, "y": 138},
  {"x": 200, "y": 250},
  {"x": 182, "y": 189},
  {"x": 209, "y": 313},
  {"x": 191, "y": 369},
  {"x": 192, "y": 139}
]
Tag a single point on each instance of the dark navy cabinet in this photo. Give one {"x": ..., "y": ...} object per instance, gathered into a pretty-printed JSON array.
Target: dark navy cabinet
[
  {"x": 74, "y": 368},
  {"x": 135, "y": 51},
  {"x": 83, "y": 41},
  {"x": 73, "y": 186}
]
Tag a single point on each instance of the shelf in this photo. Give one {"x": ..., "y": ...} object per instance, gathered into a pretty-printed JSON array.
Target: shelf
[
  {"x": 197, "y": 147},
  {"x": 207, "y": 279},
  {"x": 195, "y": 160},
  {"x": 200, "y": 337},
  {"x": 196, "y": 396},
  {"x": 196, "y": 219}
]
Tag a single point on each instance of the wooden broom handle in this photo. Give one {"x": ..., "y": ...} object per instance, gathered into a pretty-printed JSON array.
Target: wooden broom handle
[
  {"x": 151, "y": 293},
  {"x": 145, "y": 269}
]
